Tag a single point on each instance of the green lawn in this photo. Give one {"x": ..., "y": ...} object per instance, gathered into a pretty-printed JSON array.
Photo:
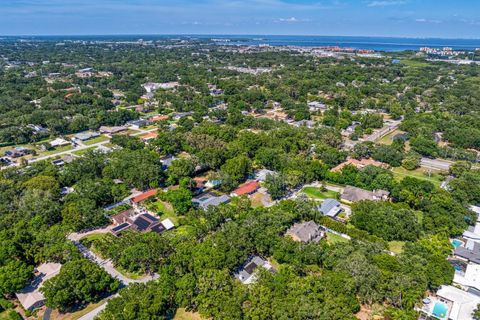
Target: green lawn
[
  {"x": 400, "y": 173},
  {"x": 317, "y": 193},
  {"x": 98, "y": 139},
  {"x": 415, "y": 63},
  {"x": 396, "y": 246},
  {"x": 335, "y": 238},
  {"x": 56, "y": 150},
  {"x": 83, "y": 151}
]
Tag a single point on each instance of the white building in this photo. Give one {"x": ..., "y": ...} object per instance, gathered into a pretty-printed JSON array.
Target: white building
[{"x": 450, "y": 303}]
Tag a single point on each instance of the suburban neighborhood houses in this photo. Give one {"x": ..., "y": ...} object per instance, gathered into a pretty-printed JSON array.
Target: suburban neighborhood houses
[{"x": 195, "y": 178}]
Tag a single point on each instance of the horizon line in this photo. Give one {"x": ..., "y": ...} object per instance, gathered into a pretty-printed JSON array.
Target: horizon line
[{"x": 230, "y": 34}]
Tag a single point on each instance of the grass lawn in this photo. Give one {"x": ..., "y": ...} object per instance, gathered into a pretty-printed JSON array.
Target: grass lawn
[
  {"x": 98, "y": 139},
  {"x": 182, "y": 314},
  {"x": 316, "y": 193},
  {"x": 56, "y": 150},
  {"x": 415, "y": 63},
  {"x": 388, "y": 139},
  {"x": 83, "y": 151},
  {"x": 335, "y": 238},
  {"x": 400, "y": 173},
  {"x": 77, "y": 314},
  {"x": 396, "y": 246}
]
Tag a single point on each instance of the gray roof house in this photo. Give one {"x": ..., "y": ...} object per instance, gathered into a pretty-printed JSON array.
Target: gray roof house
[
  {"x": 31, "y": 297},
  {"x": 86, "y": 135},
  {"x": 246, "y": 274},
  {"x": 261, "y": 175},
  {"x": 330, "y": 208},
  {"x": 354, "y": 194},
  {"x": 469, "y": 255},
  {"x": 305, "y": 232},
  {"x": 209, "y": 199}
]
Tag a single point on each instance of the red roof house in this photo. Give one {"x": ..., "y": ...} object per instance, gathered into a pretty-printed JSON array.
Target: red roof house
[
  {"x": 246, "y": 188},
  {"x": 144, "y": 196}
]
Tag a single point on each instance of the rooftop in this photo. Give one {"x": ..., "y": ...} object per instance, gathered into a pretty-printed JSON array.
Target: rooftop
[
  {"x": 144, "y": 196},
  {"x": 246, "y": 188}
]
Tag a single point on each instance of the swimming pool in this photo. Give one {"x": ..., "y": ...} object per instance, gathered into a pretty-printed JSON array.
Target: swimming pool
[
  {"x": 440, "y": 310},
  {"x": 456, "y": 243}
]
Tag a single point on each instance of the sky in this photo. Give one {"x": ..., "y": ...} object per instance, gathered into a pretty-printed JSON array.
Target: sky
[{"x": 391, "y": 18}]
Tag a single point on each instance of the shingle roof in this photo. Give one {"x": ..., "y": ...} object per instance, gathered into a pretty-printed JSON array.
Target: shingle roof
[
  {"x": 330, "y": 207},
  {"x": 246, "y": 188}
]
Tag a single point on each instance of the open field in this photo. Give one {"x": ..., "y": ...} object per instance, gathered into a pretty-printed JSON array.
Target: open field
[{"x": 400, "y": 173}]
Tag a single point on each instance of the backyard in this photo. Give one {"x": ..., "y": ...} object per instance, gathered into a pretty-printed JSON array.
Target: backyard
[
  {"x": 420, "y": 173},
  {"x": 317, "y": 193}
]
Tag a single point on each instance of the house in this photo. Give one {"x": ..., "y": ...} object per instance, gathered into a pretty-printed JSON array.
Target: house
[
  {"x": 246, "y": 189},
  {"x": 450, "y": 303},
  {"x": 468, "y": 255},
  {"x": 153, "y": 86},
  {"x": 213, "y": 183},
  {"x": 112, "y": 130},
  {"x": 59, "y": 142},
  {"x": 139, "y": 199},
  {"x": 143, "y": 108},
  {"x": 261, "y": 175},
  {"x": 246, "y": 274},
  {"x": 123, "y": 216},
  {"x": 359, "y": 164},
  {"x": 315, "y": 106},
  {"x": 149, "y": 136},
  {"x": 103, "y": 149},
  {"x": 142, "y": 223},
  {"x": 468, "y": 279},
  {"x": 158, "y": 118},
  {"x": 209, "y": 199},
  {"x": 18, "y": 152},
  {"x": 31, "y": 297},
  {"x": 330, "y": 208},
  {"x": 305, "y": 232},
  {"x": 83, "y": 136},
  {"x": 354, "y": 194},
  {"x": 62, "y": 161},
  {"x": 403, "y": 136},
  {"x": 304, "y": 123},
  {"x": 37, "y": 129},
  {"x": 200, "y": 183},
  {"x": 167, "y": 161},
  {"x": 140, "y": 123},
  {"x": 180, "y": 115}
]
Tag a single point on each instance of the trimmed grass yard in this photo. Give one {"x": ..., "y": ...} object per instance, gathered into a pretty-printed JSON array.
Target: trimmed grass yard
[
  {"x": 400, "y": 173},
  {"x": 182, "y": 314},
  {"x": 56, "y": 150},
  {"x": 388, "y": 139},
  {"x": 396, "y": 246},
  {"x": 83, "y": 151},
  {"x": 335, "y": 238},
  {"x": 98, "y": 139},
  {"x": 317, "y": 193}
]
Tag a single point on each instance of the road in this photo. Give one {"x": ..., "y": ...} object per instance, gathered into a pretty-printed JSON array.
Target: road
[
  {"x": 92, "y": 314},
  {"x": 435, "y": 164}
]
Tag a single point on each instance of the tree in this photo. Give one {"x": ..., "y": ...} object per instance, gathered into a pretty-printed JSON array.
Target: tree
[
  {"x": 276, "y": 185},
  {"x": 179, "y": 169},
  {"x": 411, "y": 162},
  {"x": 459, "y": 167},
  {"x": 180, "y": 199},
  {"x": 14, "y": 276},
  {"x": 79, "y": 282},
  {"x": 237, "y": 169},
  {"x": 153, "y": 300}
]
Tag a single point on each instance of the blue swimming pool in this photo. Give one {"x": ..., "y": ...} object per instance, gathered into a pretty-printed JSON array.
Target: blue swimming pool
[
  {"x": 456, "y": 243},
  {"x": 440, "y": 310}
]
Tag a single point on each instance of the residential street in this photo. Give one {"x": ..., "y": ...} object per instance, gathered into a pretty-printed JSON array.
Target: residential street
[{"x": 436, "y": 164}]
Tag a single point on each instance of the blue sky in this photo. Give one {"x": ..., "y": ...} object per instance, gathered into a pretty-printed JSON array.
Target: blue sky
[{"x": 402, "y": 18}]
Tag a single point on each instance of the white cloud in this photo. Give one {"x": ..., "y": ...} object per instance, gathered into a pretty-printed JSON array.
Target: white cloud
[
  {"x": 291, "y": 19},
  {"x": 385, "y": 3},
  {"x": 423, "y": 20}
]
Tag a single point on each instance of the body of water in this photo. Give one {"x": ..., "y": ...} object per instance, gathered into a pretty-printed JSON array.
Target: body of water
[{"x": 372, "y": 43}]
